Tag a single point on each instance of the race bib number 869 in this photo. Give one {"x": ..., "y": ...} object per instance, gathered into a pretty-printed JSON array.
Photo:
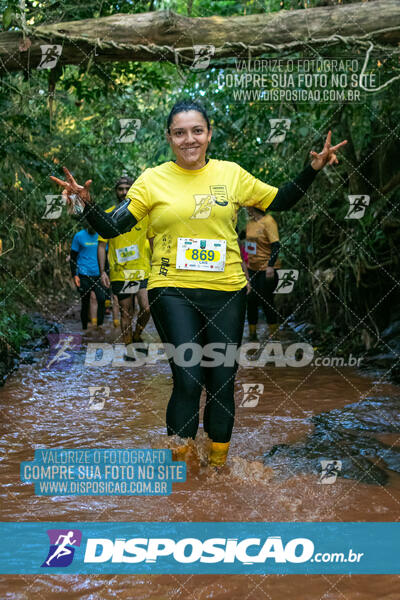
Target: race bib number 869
[{"x": 200, "y": 255}]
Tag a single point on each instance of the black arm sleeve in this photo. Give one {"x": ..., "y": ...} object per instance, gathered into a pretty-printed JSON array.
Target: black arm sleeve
[
  {"x": 291, "y": 192},
  {"x": 112, "y": 224},
  {"x": 275, "y": 246},
  {"x": 73, "y": 262}
]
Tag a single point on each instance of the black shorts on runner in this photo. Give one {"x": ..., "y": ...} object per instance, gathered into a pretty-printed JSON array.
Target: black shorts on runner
[{"x": 119, "y": 287}]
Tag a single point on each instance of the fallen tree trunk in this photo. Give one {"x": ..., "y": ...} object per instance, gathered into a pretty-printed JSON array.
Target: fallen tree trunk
[{"x": 166, "y": 36}]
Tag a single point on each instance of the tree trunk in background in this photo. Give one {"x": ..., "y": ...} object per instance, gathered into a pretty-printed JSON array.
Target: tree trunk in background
[{"x": 165, "y": 36}]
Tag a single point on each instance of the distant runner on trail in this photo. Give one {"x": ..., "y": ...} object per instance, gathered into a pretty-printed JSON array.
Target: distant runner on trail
[
  {"x": 85, "y": 273},
  {"x": 262, "y": 247},
  {"x": 129, "y": 259}
]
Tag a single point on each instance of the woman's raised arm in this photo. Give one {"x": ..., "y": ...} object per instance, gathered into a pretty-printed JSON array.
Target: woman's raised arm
[{"x": 108, "y": 225}]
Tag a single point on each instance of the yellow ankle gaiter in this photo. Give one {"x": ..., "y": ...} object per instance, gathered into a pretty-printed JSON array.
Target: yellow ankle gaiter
[{"x": 218, "y": 453}]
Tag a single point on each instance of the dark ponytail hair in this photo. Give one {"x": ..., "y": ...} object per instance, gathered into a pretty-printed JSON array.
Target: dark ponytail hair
[
  {"x": 257, "y": 211},
  {"x": 185, "y": 106}
]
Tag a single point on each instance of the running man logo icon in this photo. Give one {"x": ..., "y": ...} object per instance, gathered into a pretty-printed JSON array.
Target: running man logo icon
[
  {"x": 202, "y": 57},
  {"x": 63, "y": 348},
  {"x": 279, "y": 129},
  {"x": 130, "y": 287},
  {"x": 203, "y": 203},
  {"x": 357, "y": 207},
  {"x": 287, "y": 279},
  {"x": 129, "y": 129},
  {"x": 54, "y": 206},
  {"x": 251, "y": 394},
  {"x": 98, "y": 395},
  {"x": 132, "y": 279},
  {"x": 203, "y": 206},
  {"x": 61, "y": 551},
  {"x": 330, "y": 471},
  {"x": 50, "y": 56}
]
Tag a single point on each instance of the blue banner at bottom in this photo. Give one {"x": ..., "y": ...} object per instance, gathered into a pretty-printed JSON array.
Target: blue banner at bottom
[{"x": 209, "y": 548}]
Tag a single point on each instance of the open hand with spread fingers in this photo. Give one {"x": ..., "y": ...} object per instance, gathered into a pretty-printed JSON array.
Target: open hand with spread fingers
[
  {"x": 72, "y": 189},
  {"x": 328, "y": 154}
]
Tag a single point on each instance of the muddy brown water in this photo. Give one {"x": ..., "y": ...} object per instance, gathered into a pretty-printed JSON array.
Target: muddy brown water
[{"x": 49, "y": 409}]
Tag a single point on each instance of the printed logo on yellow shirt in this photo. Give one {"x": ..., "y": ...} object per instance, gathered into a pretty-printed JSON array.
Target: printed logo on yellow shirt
[
  {"x": 205, "y": 202},
  {"x": 220, "y": 193}
]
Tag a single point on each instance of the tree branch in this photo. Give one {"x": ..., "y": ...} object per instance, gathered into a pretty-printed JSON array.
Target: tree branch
[{"x": 166, "y": 36}]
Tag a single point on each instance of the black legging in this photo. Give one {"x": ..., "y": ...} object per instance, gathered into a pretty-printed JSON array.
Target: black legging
[
  {"x": 89, "y": 284},
  {"x": 203, "y": 317},
  {"x": 262, "y": 294}
]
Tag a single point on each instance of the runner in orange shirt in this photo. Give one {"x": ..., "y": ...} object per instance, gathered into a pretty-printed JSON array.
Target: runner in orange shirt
[{"x": 262, "y": 246}]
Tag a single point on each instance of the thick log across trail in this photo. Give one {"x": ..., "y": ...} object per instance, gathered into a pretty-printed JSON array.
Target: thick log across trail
[{"x": 166, "y": 36}]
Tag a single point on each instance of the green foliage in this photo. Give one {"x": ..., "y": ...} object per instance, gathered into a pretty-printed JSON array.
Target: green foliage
[
  {"x": 15, "y": 330},
  {"x": 348, "y": 269},
  {"x": 8, "y": 17}
]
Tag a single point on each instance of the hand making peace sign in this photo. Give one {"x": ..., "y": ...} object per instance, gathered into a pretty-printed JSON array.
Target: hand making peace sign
[
  {"x": 327, "y": 155},
  {"x": 71, "y": 188}
]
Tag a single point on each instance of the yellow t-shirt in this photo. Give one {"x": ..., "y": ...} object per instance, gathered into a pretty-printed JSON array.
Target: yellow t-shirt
[
  {"x": 129, "y": 254},
  {"x": 199, "y": 204},
  {"x": 259, "y": 237}
]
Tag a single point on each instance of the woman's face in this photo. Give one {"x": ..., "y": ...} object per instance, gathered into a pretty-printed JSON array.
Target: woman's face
[{"x": 189, "y": 139}]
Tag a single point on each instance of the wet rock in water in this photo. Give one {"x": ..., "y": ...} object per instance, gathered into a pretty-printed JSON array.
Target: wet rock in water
[
  {"x": 394, "y": 344},
  {"x": 389, "y": 356},
  {"x": 378, "y": 414},
  {"x": 304, "y": 330},
  {"x": 287, "y": 461},
  {"x": 393, "y": 330},
  {"x": 344, "y": 435},
  {"x": 382, "y": 361},
  {"x": 395, "y": 373},
  {"x": 391, "y": 458}
]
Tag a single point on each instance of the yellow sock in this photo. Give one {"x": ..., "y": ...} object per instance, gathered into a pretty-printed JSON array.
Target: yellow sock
[
  {"x": 180, "y": 452},
  {"x": 93, "y": 321},
  {"x": 273, "y": 329},
  {"x": 108, "y": 303},
  {"x": 218, "y": 453},
  {"x": 252, "y": 329},
  {"x": 116, "y": 322}
]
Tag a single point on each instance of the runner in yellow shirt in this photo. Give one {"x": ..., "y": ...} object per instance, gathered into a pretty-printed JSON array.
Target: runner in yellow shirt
[
  {"x": 129, "y": 261},
  {"x": 197, "y": 288}
]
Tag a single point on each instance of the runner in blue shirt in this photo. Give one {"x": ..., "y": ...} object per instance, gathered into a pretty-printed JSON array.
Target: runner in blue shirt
[{"x": 86, "y": 274}]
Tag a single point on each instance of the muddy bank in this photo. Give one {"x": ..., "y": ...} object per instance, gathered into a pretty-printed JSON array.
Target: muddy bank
[
  {"x": 377, "y": 357},
  {"x": 347, "y": 435},
  {"x": 36, "y": 339}
]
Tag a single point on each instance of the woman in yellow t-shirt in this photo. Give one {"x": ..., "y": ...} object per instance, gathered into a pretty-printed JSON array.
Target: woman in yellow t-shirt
[
  {"x": 197, "y": 288},
  {"x": 262, "y": 246}
]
